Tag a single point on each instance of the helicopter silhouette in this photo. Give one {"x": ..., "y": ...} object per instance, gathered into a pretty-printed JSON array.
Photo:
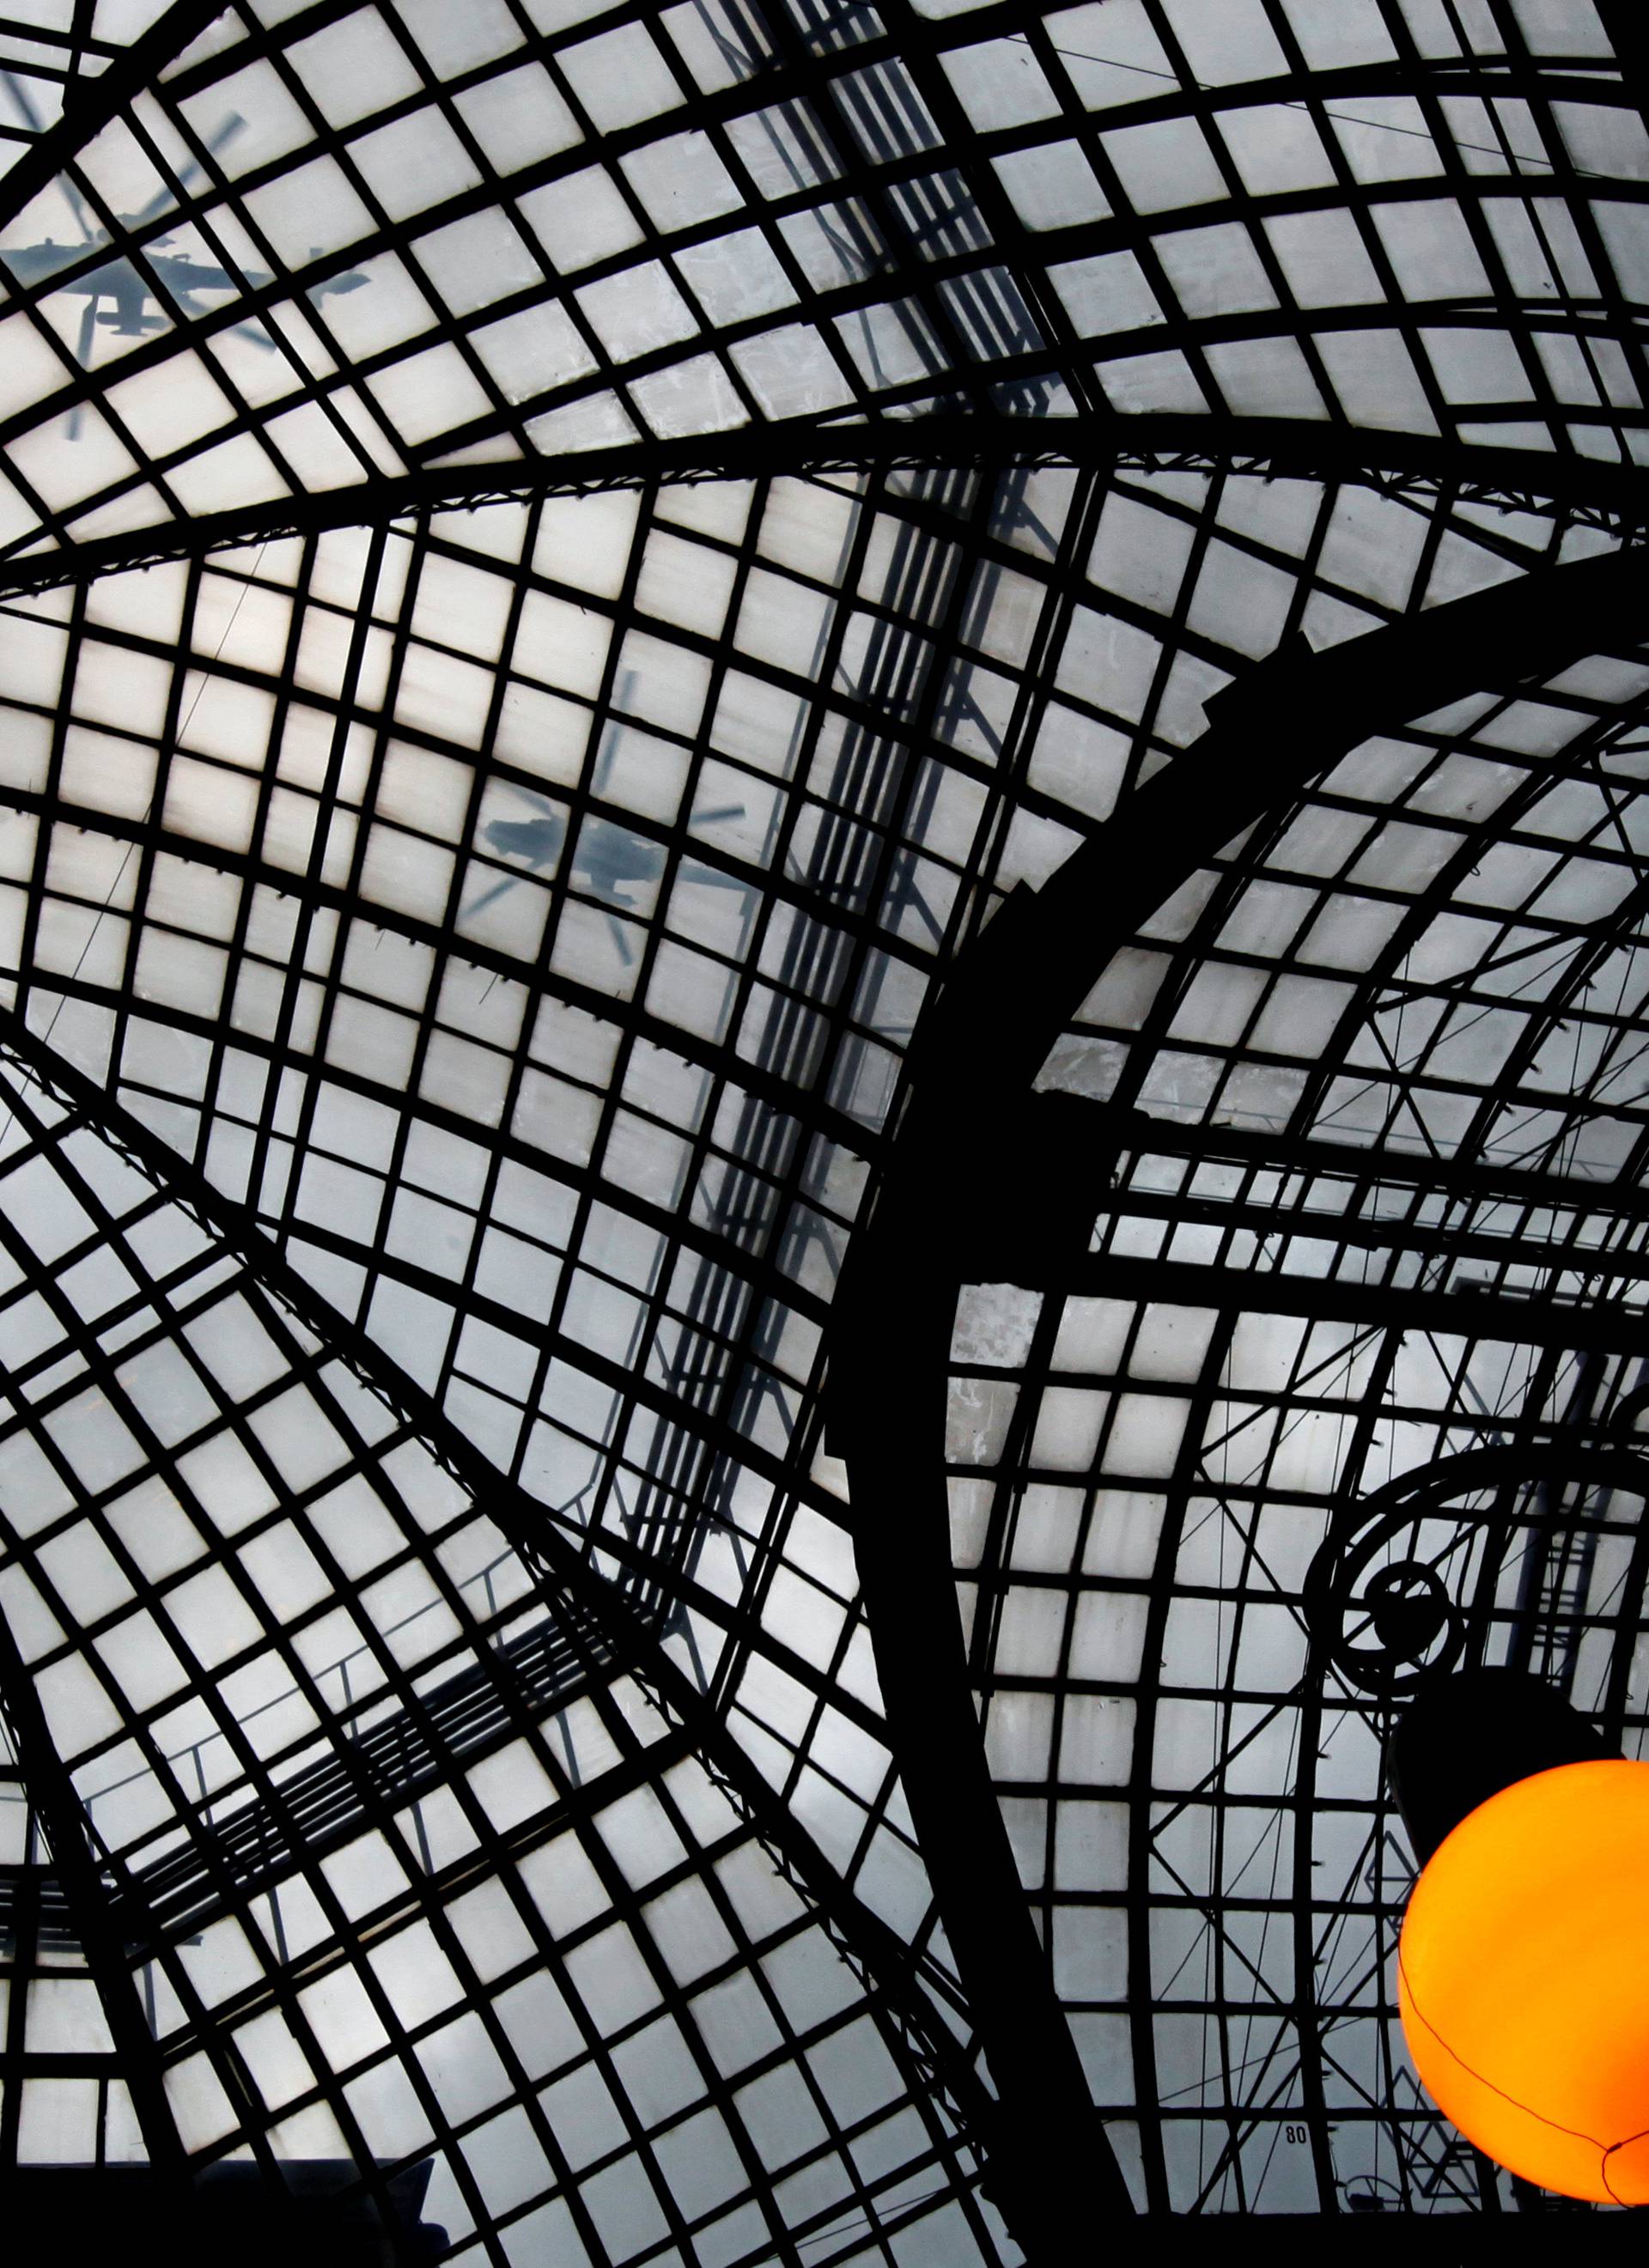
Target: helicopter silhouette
[
  {"x": 609, "y": 858},
  {"x": 122, "y": 284}
]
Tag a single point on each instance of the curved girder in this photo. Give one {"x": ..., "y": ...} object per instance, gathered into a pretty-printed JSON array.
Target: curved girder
[
  {"x": 973, "y": 1060},
  {"x": 1614, "y": 497}
]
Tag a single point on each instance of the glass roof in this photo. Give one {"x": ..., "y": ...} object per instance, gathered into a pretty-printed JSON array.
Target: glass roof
[
  {"x": 1359, "y": 1319},
  {"x": 570, "y": 576}
]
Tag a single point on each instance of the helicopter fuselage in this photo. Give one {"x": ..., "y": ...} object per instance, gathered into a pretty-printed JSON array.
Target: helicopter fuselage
[
  {"x": 117, "y": 279},
  {"x": 607, "y": 857}
]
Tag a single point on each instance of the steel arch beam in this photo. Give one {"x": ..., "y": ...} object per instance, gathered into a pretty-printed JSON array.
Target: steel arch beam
[
  {"x": 972, "y": 1140},
  {"x": 1612, "y": 495}
]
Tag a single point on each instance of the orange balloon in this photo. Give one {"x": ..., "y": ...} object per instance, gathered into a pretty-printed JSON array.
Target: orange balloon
[{"x": 1523, "y": 1979}]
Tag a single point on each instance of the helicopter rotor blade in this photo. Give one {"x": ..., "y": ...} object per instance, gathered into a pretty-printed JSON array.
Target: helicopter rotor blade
[
  {"x": 191, "y": 307},
  {"x": 614, "y": 734},
  {"x": 187, "y": 179},
  {"x": 620, "y": 939},
  {"x": 24, "y": 102},
  {"x": 714, "y": 818},
  {"x": 712, "y": 878},
  {"x": 83, "y": 356},
  {"x": 487, "y": 896},
  {"x": 162, "y": 201},
  {"x": 76, "y": 205},
  {"x": 225, "y": 133},
  {"x": 32, "y": 118},
  {"x": 531, "y": 795}
]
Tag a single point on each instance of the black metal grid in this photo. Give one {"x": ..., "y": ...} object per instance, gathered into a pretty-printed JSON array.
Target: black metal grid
[{"x": 489, "y": 872}]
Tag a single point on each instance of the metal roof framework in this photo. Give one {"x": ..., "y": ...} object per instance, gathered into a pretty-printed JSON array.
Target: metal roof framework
[{"x": 635, "y": 638}]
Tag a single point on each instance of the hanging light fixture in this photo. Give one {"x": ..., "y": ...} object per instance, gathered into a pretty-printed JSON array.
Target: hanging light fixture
[{"x": 1523, "y": 1964}]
